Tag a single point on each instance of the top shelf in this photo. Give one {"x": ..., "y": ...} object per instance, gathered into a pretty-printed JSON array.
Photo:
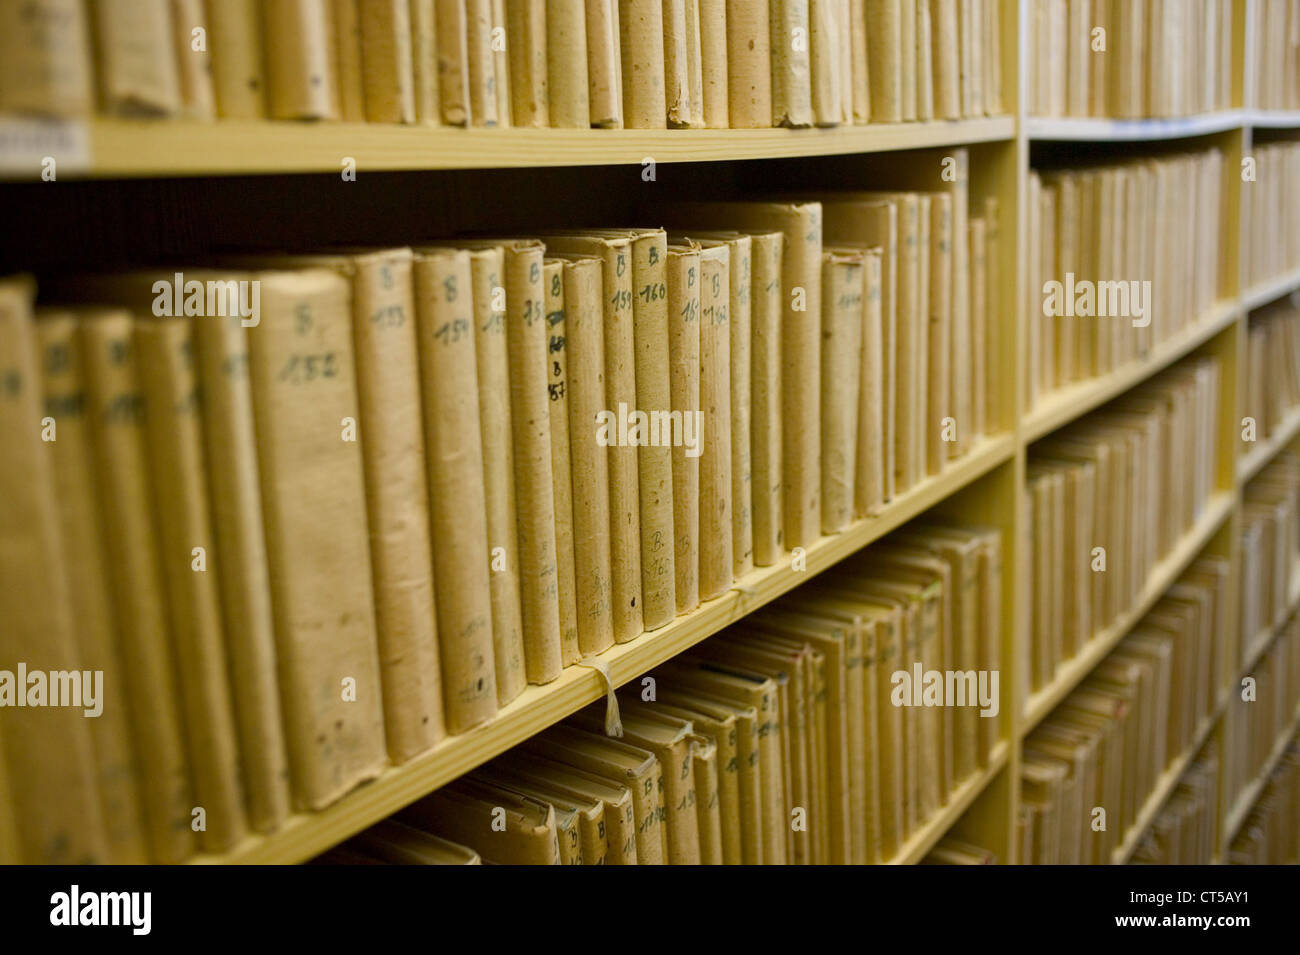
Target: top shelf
[
  {"x": 1088, "y": 129},
  {"x": 116, "y": 148}
]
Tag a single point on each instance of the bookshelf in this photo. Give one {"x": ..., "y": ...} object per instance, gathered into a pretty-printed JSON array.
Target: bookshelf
[{"x": 986, "y": 485}]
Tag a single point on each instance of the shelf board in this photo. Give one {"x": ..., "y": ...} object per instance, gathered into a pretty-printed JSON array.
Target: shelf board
[
  {"x": 919, "y": 844},
  {"x": 122, "y": 148},
  {"x": 1165, "y": 785},
  {"x": 1268, "y": 291},
  {"x": 1058, "y": 408},
  {"x": 1070, "y": 673},
  {"x": 1273, "y": 118},
  {"x": 1096, "y": 129},
  {"x": 1247, "y": 798},
  {"x": 1265, "y": 451},
  {"x": 305, "y": 835},
  {"x": 1264, "y": 638}
]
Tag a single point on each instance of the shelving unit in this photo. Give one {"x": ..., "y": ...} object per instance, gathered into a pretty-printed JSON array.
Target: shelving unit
[{"x": 987, "y": 485}]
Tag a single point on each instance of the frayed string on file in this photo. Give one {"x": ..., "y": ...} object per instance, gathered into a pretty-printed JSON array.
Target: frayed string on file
[{"x": 613, "y": 723}]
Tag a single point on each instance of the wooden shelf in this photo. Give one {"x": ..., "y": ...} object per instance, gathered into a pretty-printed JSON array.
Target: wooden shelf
[
  {"x": 1058, "y": 408},
  {"x": 1089, "y": 129},
  {"x": 1269, "y": 291},
  {"x": 918, "y": 846},
  {"x": 119, "y": 148},
  {"x": 1262, "y": 640},
  {"x": 1274, "y": 118},
  {"x": 308, "y": 834},
  {"x": 1266, "y": 450},
  {"x": 1247, "y": 798},
  {"x": 1070, "y": 673},
  {"x": 1165, "y": 785}
]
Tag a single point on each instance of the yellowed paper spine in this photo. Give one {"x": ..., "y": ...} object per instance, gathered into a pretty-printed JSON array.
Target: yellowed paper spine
[
  {"x": 704, "y": 761},
  {"x": 487, "y": 272},
  {"x": 792, "y": 97},
  {"x": 824, "y": 62},
  {"x": 389, "y": 78},
  {"x": 424, "y": 62},
  {"x": 566, "y": 64},
  {"x": 238, "y": 73},
  {"x": 194, "y": 63},
  {"x": 654, "y": 394},
  {"x": 939, "y": 336},
  {"x": 715, "y": 430},
  {"x": 526, "y": 341},
  {"x": 801, "y": 374},
  {"x": 749, "y": 64},
  {"x": 313, "y": 493},
  {"x": 694, "y": 64},
  {"x": 947, "y": 77},
  {"x": 765, "y": 397},
  {"x": 884, "y": 53},
  {"x": 485, "y": 106},
  {"x": 869, "y": 482},
  {"x": 557, "y": 393},
  {"x": 907, "y": 57},
  {"x": 302, "y": 81},
  {"x": 742, "y": 331},
  {"x": 346, "y": 31},
  {"x": 457, "y": 503},
  {"x": 924, "y": 63},
  {"x": 453, "y": 62},
  {"x": 604, "y": 67},
  {"x": 860, "y": 62},
  {"x": 677, "y": 90},
  {"x": 52, "y": 774},
  {"x": 45, "y": 59},
  {"x": 641, "y": 32},
  {"x": 187, "y": 545},
  {"x": 222, "y": 348},
  {"x": 135, "y": 57},
  {"x": 397, "y": 500},
  {"x": 80, "y": 524},
  {"x": 526, "y": 43},
  {"x": 501, "y": 64},
  {"x": 713, "y": 62},
  {"x": 116, "y": 410},
  {"x": 588, "y": 460},
  {"x": 842, "y": 310},
  {"x": 684, "y": 363}
]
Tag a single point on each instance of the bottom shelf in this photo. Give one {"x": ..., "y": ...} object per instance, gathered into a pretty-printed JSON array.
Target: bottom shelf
[
  {"x": 1165, "y": 785},
  {"x": 919, "y": 844},
  {"x": 1247, "y": 798}
]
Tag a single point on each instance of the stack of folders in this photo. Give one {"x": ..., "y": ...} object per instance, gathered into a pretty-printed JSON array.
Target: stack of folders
[
  {"x": 1134, "y": 58},
  {"x": 1183, "y": 831},
  {"x": 1271, "y": 210},
  {"x": 1261, "y": 708},
  {"x": 639, "y": 64},
  {"x": 951, "y": 851},
  {"x": 828, "y": 727},
  {"x": 1270, "y": 552},
  {"x": 1090, "y": 765},
  {"x": 1107, "y": 499},
  {"x": 1273, "y": 369},
  {"x": 1273, "y": 51},
  {"x": 1270, "y": 834},
  {"x": 1121, "y": 259},
  {"x": 538, "y": 447}
]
